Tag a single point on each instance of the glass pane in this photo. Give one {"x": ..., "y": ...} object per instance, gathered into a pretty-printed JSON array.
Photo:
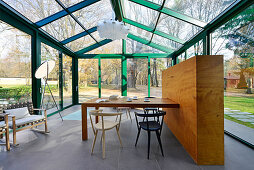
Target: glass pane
[
  {"x": 92, "y": 14},
  {"x": 139, "y": 13},
  {"x": 88, "y": 79},
  {"x": 69, "y": 3},
  {"x": 156, "y": 1},
  {"x": 204, "y": 10},
  {"x": 15, "y": 65},
  {"x": 81, "y": 43},
  {"x": 157, "y": 65},
  {"x": 140, "y": 32},
  {"x": 35, "y": 10},
  {"x": 49, "y": 53},
  {"x": 234, "y": 40},
  {"x": 110, "y": 77},
  {"x": 178, "y": 28},
  {"x": 63, "y": 28},
  {"x": 165, "y": 42},
  {"x": 114, "y": 47},
  {"x": 137, "y": 70},
  {"x": 196, "y": 49},
  {"x": 133, "y": 46},
  {"x": 97, "y": 36},
  {"x": 67, "y": 80}
]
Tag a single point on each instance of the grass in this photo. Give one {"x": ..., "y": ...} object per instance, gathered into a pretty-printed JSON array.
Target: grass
[{"x": 239, "y": 103}]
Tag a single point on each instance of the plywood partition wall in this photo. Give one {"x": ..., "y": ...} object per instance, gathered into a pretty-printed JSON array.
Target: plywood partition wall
[{"x": 197, "y": 85}]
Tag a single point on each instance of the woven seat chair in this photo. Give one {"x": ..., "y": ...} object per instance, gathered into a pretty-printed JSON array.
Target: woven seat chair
[
  {"x": 4, "y": 129},
  {"x": 27, "y": 121},
  {"x": 104, "y": 125}
]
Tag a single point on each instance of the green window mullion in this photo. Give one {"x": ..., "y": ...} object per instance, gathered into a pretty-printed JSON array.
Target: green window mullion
[
  {"x": 99, "y": 76},
  {"x": 61, "y": 80},
  {"x": 149, "y": 77}
]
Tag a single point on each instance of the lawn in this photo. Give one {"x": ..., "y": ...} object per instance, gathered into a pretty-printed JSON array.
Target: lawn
[{"x": 243, "y": 104}]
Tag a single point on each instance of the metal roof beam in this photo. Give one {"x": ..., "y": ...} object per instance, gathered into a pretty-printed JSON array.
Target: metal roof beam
[
  {"x": 171, "y": 13},
  {"x": 151, "y": 44},
  {"x": 77, "y": 36},
  {"x": 63, "y": 13},
  {"x": 149, "y": 29}
]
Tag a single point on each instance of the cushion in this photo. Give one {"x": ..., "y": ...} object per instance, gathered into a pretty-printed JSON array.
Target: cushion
[
  {"x": 2, "y": 124},
  {"x": 26, "y": 119},
  {"x": 18, "y": 113}
]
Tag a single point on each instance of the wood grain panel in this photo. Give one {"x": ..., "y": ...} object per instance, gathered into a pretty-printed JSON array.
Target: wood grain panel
[{"x": 198, "y": 124}]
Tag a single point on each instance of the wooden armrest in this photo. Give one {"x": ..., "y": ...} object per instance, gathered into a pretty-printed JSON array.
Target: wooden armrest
[
  {"x": 39, "y": 109},
  {"x": 3, "y": 114}
]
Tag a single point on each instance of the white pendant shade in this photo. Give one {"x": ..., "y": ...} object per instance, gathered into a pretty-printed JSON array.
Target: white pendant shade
[{"x": 111, "y": 29}]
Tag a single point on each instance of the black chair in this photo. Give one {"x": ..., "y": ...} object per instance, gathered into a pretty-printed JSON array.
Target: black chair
[{"x": 155, "y": 125}]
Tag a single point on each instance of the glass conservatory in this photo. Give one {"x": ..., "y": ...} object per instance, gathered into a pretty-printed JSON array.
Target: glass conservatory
[{"x": 161, "y": 35}]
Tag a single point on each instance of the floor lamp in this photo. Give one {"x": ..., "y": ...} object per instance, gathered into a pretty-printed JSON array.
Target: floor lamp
[{"x": 42, "y": 73}]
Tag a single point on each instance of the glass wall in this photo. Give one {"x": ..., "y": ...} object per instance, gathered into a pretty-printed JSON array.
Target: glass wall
[
  {"x": 67, "y": 80},
  {"x": 88, "y": 79},
  {"x": 234, "y": 40},
  {"x": 15, "y": 65},
  {"x": 137, "y": 77},
  {"x": 110, "y": 77},
  {"x": 157, "y": 65},
  {"x": 49, "y": 53}
]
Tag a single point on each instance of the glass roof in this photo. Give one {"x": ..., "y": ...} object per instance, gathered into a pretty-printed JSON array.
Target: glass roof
[
  {"x": 137, "y": 47},
  {"x": 164, "y": 24},
  {"x": 35, "y": 10}
]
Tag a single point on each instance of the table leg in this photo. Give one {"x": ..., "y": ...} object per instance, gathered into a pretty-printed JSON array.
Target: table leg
[
  {"x": 96, "y": 117},
  {"x": 84, "y": 122}
]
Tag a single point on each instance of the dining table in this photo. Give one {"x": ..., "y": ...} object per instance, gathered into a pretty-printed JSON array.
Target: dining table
[{"x": 122, "y": 102}]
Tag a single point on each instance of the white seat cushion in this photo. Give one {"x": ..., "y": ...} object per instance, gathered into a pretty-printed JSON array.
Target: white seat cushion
[
  {"x": 27, "y": 119},
  {"x": 19, "y": 113},
  {"x": 2, "y": 124},
  {"x": 107, "y": 125}
]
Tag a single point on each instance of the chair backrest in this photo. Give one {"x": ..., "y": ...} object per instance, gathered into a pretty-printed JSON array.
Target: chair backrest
[
  {"x": 101, "y": 115},
  {"x": 159, "y": 115},
  {"x": 29, "y": 105}
]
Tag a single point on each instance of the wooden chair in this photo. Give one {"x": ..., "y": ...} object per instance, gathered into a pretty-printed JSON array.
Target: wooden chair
[
  {"x": 4, "y": 129},
  {"x": 147, "y": 125},
  {"x": 27, "y": 121},
  {"x": 104, "y": 125},
  {"x": 128, "y": 111}
]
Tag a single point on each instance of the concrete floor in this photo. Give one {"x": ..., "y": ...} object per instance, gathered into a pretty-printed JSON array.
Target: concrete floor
[{"x": 63, "y": 149}]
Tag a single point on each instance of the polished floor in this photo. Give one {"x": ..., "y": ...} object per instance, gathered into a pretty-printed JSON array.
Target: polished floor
[{"x": 63, "y": 149}]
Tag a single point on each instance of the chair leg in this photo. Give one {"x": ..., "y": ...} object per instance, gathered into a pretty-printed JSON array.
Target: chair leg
[
  {"x": 149, "y": 137},
  {"x": 129, "y": 112},
  {"x": 7, "y": 140},
  {"x": 14, "y": 135},
  {"x": 117, "y": 131},
  {"x": 95, "y": 136},
  {"x": 103, "y": 145},
  {"x": 137, "y": 136},
  {"x": 159, "y": 140}
]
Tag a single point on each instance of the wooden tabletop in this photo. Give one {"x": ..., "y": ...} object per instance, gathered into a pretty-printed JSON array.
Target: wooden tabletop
[{"x": 121, "y": 102}]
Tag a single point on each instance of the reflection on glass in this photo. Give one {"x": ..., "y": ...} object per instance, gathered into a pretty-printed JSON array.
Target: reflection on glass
[
  {"x": 92, "y": 14},
  {"x": 67, "y": 80},
  {"x": 110, "y": 77},
  {"x": 235, "y": 42},
  {"x": 157, "y": 65},
  {"x": 165, "y": 42},
  {"x": 139, "y": 13},
  {"x": 196, "y": 49},
  {"x": 88, "y": 79},
  {"x": 15, "y": 65},
  {"x": 49, "y": 53},
  {"x": 204, "y": 10},
  {"x": 81, "y": 43},
  {"x": 137, "y": 74},
  {"x": 177, "y": 28},
  {"x": 137, "y": 47},
  {"x": 114, "y": 47},
  {"x": 63, "y": 28},
  {"x": 69, "y": 3},
  {"x": 35, "y": 10},
  {"x": 139, "y": 32}
]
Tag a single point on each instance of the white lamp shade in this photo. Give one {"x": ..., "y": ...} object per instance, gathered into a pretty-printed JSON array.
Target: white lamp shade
[{"x": 44, "y": 69}]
